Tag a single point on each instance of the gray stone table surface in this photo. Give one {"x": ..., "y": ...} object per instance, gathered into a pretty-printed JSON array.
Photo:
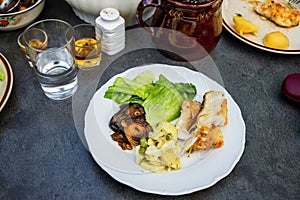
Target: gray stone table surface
[{"x": 43, "y": 157}]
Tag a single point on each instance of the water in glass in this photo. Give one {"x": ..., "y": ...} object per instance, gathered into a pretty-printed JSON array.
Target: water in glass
[{"x": 57, "y": 73}]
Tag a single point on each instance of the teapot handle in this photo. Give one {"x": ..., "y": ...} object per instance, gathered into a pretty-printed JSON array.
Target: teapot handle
[{"x": 140, "y": 10}]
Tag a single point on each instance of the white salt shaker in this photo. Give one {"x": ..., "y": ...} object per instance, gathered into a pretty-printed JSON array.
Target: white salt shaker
[{"x": 113, "y": 28}]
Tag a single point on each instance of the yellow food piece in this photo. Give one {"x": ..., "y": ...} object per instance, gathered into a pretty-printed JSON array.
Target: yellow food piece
[
  {"x": 276, "y": 40},
  {"x": 244, "y": 26},
  {"x": 168, "y": 158},
  {"x": 278, "y": 13},
  {"x": 162, "y": 152},
  {"x": 167, "y": 127}
]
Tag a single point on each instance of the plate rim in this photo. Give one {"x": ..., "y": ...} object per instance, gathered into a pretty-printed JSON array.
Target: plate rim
[
  {"x": 8, "y": 80},
  {"x": 231, "y": 30},
  {"x": 124, "y": 177}
]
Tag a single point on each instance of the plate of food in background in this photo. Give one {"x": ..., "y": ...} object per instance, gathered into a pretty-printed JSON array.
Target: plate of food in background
[
  {"x": 271, "y": 25},
  {"x": 6, "y": 80},
  {"x": 199, "y": 164}
]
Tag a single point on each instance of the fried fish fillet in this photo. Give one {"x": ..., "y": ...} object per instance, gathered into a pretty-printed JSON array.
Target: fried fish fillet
[
  {"x": 189, "y": 112},
  {"x": 278, "y": 13},
  {"x": 204, "y": 121},
  {"x": 208, "y": 137},
  {"x": 213, "y": 112},
  {"x": 212, "y": 117}
]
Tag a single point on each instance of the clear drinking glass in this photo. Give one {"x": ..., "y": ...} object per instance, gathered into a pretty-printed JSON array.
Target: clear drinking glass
[
  {"x": 88, "y": 47},
  {"x": 54, "y": 65},
  {"x": 39, "y": 41}
]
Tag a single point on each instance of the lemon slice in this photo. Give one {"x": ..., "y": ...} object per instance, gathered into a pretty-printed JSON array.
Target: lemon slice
[
  {"x": 276, "y": 40},
  {"x": 243, "y": 25}
]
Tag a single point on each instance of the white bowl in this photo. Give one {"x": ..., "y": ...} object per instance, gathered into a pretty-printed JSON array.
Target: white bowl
[
  {"x": 19, "y": 19},
  {"x": 89, "y": 10}
]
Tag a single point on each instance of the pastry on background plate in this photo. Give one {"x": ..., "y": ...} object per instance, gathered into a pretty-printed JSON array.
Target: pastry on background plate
[{"x": 278, "y": 13}]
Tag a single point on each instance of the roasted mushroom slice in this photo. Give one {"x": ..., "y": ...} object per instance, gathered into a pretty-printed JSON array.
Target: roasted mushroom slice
[
  {"x": 122, "y": 141},
  {"x": 130, "y": 123},
  {"x": 137, "y": 130},
  {"x": 136, "y": 110},
  {"x": 126, "y": 115}
]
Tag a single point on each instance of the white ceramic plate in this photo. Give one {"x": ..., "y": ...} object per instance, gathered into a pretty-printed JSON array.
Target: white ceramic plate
[
  {"x": 201, "y": 170},
  {"x": 6, "y": 85},
  {"x": 232, "y": 7}
]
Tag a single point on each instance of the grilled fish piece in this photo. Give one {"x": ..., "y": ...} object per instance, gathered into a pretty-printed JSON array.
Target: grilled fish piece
[
  {"x": 278, "y": 13},
  {"x": 189, "y": 112},
  {"x": 208, "y": 137},
  {"x": 206, "y": 129},
  {"x": 213, "y": 112}
]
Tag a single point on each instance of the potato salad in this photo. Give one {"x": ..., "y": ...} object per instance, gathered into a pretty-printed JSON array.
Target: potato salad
[{"x": 160, "y": 152}]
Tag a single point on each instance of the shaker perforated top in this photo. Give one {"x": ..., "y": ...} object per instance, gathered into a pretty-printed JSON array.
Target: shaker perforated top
[{"x": 109, "y": 14}]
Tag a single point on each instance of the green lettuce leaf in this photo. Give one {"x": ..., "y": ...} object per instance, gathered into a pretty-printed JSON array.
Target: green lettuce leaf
[
  {"x": 161, "y": 99},
  {"x": 163, "y": 103},
  {"x": 124, "y": 89}
]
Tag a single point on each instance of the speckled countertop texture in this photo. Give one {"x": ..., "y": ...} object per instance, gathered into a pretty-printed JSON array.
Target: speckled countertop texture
[{"x": 42, "y": 157}]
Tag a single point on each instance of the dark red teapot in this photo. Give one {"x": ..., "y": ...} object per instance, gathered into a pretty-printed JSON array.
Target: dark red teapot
[{"x": 184, "y": 26}]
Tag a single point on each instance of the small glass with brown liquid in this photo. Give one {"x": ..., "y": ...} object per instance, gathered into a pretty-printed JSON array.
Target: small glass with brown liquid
[
  {"x": 39, "y": 42},
  {"x": 88, "y": 49}
]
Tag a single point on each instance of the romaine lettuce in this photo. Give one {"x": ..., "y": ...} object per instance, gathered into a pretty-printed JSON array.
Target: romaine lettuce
[
  {"x": 161, "y": 99},
  {"x": 125, "y": 91}
]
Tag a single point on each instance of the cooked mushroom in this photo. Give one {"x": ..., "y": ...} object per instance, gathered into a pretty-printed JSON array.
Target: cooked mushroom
[
  {"x": 137, "y": 130},
  {"x": 130, "y": 123}
]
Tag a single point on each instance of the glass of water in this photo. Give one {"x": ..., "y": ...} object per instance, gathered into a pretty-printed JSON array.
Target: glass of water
[{"x": 55, "y": 66}]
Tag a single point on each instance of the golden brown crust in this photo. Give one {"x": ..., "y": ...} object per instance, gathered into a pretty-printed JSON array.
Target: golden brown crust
[
  {"x": 278, "y": 13},
  {"x": 208, "y": 137},
  {"x": 212, "y": 117},
  {"x": 189, "y": 112}
]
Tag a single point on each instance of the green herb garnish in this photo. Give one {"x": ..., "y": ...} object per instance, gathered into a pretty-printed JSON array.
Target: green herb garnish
[{"x": 2, "y": 77}]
